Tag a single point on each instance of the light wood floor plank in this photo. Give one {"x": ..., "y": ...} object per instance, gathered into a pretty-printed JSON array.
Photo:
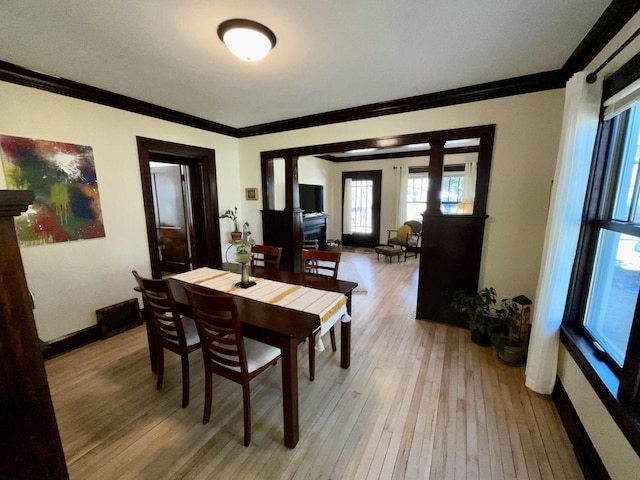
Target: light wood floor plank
[{"x": 420, "y": 401}]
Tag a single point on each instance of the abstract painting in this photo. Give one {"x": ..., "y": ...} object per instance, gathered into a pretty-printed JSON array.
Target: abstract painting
[{"x": 63, "y": 179}]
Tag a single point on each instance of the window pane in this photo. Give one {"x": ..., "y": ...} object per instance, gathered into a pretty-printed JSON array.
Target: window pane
[
  {"x": 417, "y": 189},
  {"x": 627, "y": 176},
  {"x": 362, "y": 206},
  {"x": 613, "y": 292}
]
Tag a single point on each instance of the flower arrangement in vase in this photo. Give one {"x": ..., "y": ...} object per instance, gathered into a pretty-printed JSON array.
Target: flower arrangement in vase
[{"x": 243, "y": 257}]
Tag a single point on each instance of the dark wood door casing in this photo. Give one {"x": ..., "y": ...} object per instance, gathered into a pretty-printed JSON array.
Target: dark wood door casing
[
  {"x": 204, "y": 198},
  {"x": 450, "y": 258},
  {"x": 372, "y": 239}
]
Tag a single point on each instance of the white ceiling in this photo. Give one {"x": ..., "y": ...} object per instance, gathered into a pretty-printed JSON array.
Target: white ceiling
[{"x": 331, "y": 54}]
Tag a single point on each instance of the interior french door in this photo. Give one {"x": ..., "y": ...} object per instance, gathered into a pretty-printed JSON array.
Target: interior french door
[{"x": 361, "y": 192}]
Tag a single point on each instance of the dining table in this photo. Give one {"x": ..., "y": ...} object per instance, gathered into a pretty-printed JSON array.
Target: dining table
[{"x": 284, "y": 328}]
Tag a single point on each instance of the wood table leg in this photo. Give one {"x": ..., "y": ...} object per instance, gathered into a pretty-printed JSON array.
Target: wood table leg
[
  {"x": 290, "y": 392},
  {"x": 345, "y": 344}
]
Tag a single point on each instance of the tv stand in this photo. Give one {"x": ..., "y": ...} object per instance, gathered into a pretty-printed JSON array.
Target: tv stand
[{"x": 314, "y": 227}]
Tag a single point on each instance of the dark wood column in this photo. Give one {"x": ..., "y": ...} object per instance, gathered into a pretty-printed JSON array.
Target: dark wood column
[
  {"x": 283, "y": 228},
  {"x": 31, "y": 447},
  {"x": 436, "y": 168}
]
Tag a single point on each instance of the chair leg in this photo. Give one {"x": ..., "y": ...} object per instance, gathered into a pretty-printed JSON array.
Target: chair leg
[
  {"x": 332, "y": 333},
  {"x": 160, "y": 366},
  {"x": 312, "y": 356},
  {"x": 246, "y": 400},
  {"x": 185, "y": 380},
  {"x": 208, "y": 394}
]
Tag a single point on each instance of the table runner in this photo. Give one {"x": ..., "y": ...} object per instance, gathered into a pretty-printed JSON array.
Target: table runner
[{"x": 329, "y": 306}]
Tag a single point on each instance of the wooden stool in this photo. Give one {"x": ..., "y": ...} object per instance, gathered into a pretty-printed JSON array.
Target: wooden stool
[{"x": 388, "y": 252}]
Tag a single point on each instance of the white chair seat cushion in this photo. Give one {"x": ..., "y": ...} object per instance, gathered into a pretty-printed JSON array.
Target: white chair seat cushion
[
  {"x": 259, "y": 354},
  {"x": 190, "y": 331}
]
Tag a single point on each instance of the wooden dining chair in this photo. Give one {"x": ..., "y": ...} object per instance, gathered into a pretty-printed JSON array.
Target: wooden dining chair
[
  {"x": 266, "y": 256},
  {"x": 170, "y": 330},
  {"x": 320, "y": 262},
  {"x": 225, "y": 351}
]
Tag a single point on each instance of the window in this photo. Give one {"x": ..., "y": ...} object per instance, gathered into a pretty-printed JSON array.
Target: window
[
  {"x": 362, "y": 206},
  {"x": 451, "y": 193},
  {"x": 603, "y": 308},
  {"x": 417, "y": 186}
]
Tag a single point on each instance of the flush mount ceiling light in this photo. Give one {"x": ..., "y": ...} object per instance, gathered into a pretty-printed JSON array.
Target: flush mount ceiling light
[{"x": 248, "y": 40}]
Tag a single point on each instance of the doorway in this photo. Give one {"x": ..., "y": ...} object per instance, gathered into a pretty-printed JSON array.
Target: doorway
[
  {"x": 361, "y": 198},
  {"x": 181, "y": 206}
]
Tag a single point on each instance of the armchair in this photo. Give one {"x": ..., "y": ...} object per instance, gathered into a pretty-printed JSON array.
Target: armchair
[{"x": 407, "y": 237}]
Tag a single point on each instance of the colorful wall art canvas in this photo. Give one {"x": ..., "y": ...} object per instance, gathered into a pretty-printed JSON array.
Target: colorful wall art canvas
[{"x": 63, "y": 179}]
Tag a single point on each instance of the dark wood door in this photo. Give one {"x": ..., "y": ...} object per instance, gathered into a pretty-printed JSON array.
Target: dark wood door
[
  {"x": 199, "y": 201},
  {"x": 173, "y": 216},
  {"x": 362, "y": 191}
]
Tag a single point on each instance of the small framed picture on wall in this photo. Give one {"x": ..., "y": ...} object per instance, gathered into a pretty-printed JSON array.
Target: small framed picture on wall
[{"x": 252, "y": 193}]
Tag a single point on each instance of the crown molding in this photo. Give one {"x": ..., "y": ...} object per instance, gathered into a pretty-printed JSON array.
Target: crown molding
[
  {"x": 615, "y": 16},
  {"x": 28, "y": 78},
  {"x": 475, "y": 93}
]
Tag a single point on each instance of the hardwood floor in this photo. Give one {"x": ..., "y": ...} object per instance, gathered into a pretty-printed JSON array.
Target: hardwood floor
[{"x": 419, "y": 401}]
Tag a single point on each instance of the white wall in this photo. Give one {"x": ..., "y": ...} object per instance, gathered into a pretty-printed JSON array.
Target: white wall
[
  {"x": 71, "y": 280},
  {"x": 525, "y": 150}
]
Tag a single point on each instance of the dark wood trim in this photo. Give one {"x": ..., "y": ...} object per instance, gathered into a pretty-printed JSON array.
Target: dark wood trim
[
  {"x": 447, "y": 168},
  {"x": 394, "y": 155},
  {"x": 28, "y": 78},
  {"x": 623, "y": 77},
  {"x": 587, "y": 455},
  {"x": 616, "y": 15},
  {"x": 204, "y": 189},
  {"x": 604, "y": 383},
  {"x": 72, "y": 341},
  {"x": 383, "y": 142},
  {"x": 502, "y": 88},
  {"x": 31, "y": 446}
]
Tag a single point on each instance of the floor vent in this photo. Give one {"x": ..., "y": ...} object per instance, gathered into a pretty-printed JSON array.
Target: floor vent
[{"x": 118, "y": 318}]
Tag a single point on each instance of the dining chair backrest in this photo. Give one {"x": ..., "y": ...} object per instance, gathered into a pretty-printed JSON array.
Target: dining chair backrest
[
  {"x": 320, "y": 262},
  {"x": 218, "y": 324},
  {"x": 162, "y": 310},
  {"x": 224, "y": 350},
  {"x": 266, "y": 256}
]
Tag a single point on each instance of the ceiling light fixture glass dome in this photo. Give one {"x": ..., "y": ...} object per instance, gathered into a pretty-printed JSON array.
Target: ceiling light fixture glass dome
[{"x": 248, "y": 40}]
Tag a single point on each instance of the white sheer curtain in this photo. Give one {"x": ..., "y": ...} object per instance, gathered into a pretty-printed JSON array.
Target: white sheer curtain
[
  {"x": 470, "y": 174},
  {"x": 347, "y": 227},
  {"x": 403, "y": 179},
  {"x": 580, "y": 122}
]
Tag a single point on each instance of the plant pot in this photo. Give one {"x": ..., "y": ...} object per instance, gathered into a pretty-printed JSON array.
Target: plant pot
[
  {"x": 236, "y": 236},
  {"x": 513, "y": 354},
  {"x": 480, "y": 338}
]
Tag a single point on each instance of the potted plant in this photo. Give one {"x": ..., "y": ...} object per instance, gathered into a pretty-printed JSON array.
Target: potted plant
[
  {"x": 236, "y": 235},
  {"x": 481, "y": 314},
  {"x": 511, "y": 342}
]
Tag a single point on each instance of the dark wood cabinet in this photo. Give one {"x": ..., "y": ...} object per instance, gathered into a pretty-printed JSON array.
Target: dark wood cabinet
[
  {"x": 449, "y": 260},
  {"x": 315, "y": 228},
  {"x": 283, "y": 228},
  {"x": 31, "y": 446}
]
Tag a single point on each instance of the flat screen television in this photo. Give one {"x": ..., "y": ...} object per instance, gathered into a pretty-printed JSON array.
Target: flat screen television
[{"x": 311, "y": 198}]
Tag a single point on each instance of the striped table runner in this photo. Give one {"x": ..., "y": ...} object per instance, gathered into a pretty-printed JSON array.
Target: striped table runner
[{"x": 329, "y": 306}]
